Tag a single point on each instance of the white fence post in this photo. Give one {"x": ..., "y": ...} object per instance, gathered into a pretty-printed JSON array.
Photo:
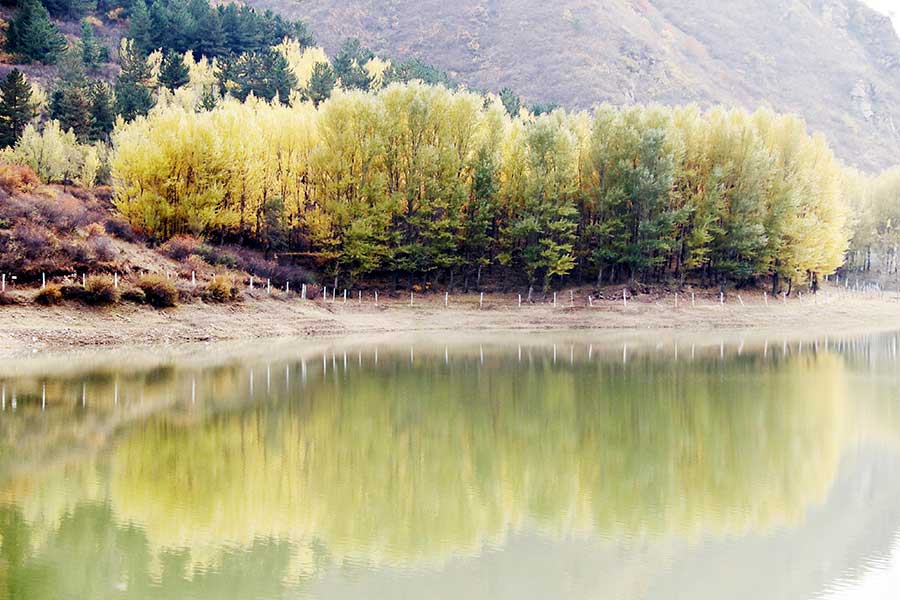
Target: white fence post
[
  {"x": 481, "y": 301},
  {"x": 446, "y": 299},
  {"x": 520, "y": 300},
  {"x": 194, "y": 278},
  {"x": 251, "y": 283},
  {"x": 624, "y": 299},
  {"x": 554, "y": 299}
]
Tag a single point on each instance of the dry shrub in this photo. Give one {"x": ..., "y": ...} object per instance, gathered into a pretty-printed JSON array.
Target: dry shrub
[
  {"x": 33, "y": 240},
  {"x": 159, "y": 291},
  {"x": 135, "y": 295},
  {"x": 51, "y": 295},
  {"x": 120, "y": 228},
  {"x": 100, "y": 290},
  {"x": 221, "y": 290},
  {"x": 63, "y": 212},
  {"x": 102, "y": 248},
  {"x": 17, "y": 178},
  {"x": 180, "y": 247},
  {"x": 7, "y": 299}
]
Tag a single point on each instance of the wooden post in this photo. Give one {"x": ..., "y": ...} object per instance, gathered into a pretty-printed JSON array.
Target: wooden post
[
  {"x": 83, "y": 281},
  {"x": 268, "y": 286},
  {"x": 44, "y": 280},
  {"x": 360, "y": 296},
  {"x": 251, "y": 283},
  {"x": 376, "y": 298},
  {"x": 287, "y": 287},
  {"x": 116, "y": 280},
  {"x": 591, "y": 301},
  {"x": 692, "y": 299},
  {"x": 741, "y": 300},
  {"x": 194, "y": 278},
  {"x": 345, "y": 296},
  {"x": 303, "y": 291},
  {"x": 324, "y": 293},
  {"x": 481, "y": 301},
  {"x": 624, "y": 299},
  {"x": 722, "y": 298},
  {"x": 572, "y": 297},
  {"x": 410, "y": 298},
  {"x": 3, "y": 284},
  {"x": 554, "y": 299},
  {"x": 676, "y": 300},
  {"x": 766, "y": 298},
  {"x": 784, "y": 297},
  {"x": 446, "y": 299},
  {"x": 520, "y": 300}
]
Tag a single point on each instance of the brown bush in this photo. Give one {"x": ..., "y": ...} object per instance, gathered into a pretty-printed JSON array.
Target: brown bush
[
  {"x": 159, "y": 291},
  {"x": 135, "y": 295},
  {"x": 102, "y": 248},
  {"x": 16, "y": 178},
  {"x": 100, "y": 290},
  {"x": 33, "y": 240},
  {"x": 221, "y": 289},
  {"x": 180, "y": 247},
  {"x": 7, "y": 299},
  {"x": 51, "y": 295},
  {"x": 120, "y": 228}
]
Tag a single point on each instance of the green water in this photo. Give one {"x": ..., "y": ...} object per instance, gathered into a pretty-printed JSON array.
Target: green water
[{"x": 557, "y": 467}]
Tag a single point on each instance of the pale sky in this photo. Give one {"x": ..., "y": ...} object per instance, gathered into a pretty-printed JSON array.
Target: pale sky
[{"x": 888, "y": 7}]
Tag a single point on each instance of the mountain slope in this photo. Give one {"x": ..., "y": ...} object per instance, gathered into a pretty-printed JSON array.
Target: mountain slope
[{"x": 836, "y": 62}]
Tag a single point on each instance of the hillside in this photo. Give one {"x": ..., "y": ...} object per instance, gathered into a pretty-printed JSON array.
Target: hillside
[{"x": 836, "y": 62}]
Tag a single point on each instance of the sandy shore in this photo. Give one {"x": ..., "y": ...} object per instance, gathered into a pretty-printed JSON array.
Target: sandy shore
[{"x": 25, "y": 329}]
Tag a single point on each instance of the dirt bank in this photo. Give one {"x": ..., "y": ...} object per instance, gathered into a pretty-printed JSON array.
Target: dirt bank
[{"x": 25, "y": 329}]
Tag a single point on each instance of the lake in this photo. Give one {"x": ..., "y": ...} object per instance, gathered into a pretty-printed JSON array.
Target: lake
[{"x": 615, "y": 466}]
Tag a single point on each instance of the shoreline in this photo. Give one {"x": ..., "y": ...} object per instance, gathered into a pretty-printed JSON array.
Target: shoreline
[{"x": 30, "y": 328}]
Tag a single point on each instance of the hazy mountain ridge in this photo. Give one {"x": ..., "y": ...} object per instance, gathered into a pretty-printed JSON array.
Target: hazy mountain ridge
[{"x": 836, "y": 62}]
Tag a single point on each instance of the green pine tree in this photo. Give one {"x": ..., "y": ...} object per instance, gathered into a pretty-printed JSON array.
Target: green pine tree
[
  {"x": 91, "y": 51},
  {"x": 140, "y": 28},
  {"x": 265, "y": 74},
  {"x": 103, "y": 114},
  {"x": 16, "y": 107},
  {"x": 511, "y": 102},
  {"x": 71, "y": 106},
  {"x": 33, "y": 36},
  {"x": 173, "y": 73},
  {"x": 350, "y": 63},
  {"x": 133, "y": 96},
  {"x": 321, "y": 83}
]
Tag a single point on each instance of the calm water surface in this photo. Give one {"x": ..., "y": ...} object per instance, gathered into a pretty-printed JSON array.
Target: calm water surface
[{"x": 564, "y": 467}]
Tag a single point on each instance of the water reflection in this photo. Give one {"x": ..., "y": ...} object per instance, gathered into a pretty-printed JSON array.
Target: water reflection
[{"x": 433, "y": 469}]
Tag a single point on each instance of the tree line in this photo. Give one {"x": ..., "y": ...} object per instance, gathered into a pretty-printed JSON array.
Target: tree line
[{"x": 425, "y": 184}]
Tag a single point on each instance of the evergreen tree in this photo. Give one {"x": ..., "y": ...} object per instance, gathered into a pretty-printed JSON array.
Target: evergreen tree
[
  {"x": 511, "y": 102},
  {"x": 173, "y": 73},
  {"x": 70, "y": 9},
  {"x": 350, "y": 66},
  {"x": 265, "y": 74},
  {"x": 103, "y": 114},
  {"x": 209, "y": 37},
  {"x": 16, "y": 107},
  {"x": 71, "y": 106},
  {"x": 321, "y": 83},
  {"x": 91, "y": 52},
  {"x": 140, "y": 28},
  {"x": 415, "y": 69},
  {"x": 33, "y": 36},
  {"x": 133, "y": 97}
]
